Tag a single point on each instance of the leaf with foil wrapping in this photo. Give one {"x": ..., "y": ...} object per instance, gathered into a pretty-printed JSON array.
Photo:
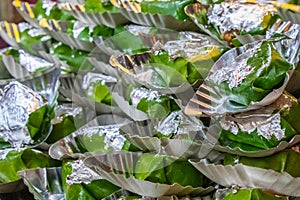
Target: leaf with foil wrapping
[
  {"x": 269, "y": 126},
  {"x": 225, "y": 20},
  {"x": 102, "y": 139},
  {"x": 173, "y": 8},
  {"x": 241, "y": 79},
  {"x": 252, "y": 194},
  {"x": 97, "y": 87},
  {"x": 284, "y": 161},
  {"x": 15, "y": 161},
  {"x": 253, "y": 141},
  {"x": 50, "y": 11},
  {"x": 82, "y": 183},
  {"x": 26, "y": 116}
]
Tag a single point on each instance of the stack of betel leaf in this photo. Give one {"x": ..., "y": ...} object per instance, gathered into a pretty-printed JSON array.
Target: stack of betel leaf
[{"x": 151, "y": 100}]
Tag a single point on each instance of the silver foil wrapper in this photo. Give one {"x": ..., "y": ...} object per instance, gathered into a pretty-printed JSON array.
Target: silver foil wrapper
[
  {"x": 238, "y": 16},
  {"x": 16, "y": 103},
  {"x": 81, "y": 173}
]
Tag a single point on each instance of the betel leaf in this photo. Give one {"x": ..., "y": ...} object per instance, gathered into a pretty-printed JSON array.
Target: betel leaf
[
  {"x": 29, "y": 42},
  {"x": 62, "y": 129},
  {"x": 95, "y": 189},
  {"x": 291, "y": 115},
  {"x": 39, "y": 122},
  {"x": 40, "y": 11},
  {"x": 181, "y": 65},
  {"x": 182, "y": 172},
  {"x": 101, "y": 93},
  {"x": 92, "y": 143},
  {"x": 74, "y": 58},
  {"x": 150, "y": 167},
  {"x": 120, "y": 42},
  {"x": 103, "y": 31},
  {"x": 284, "y": 161},
  {"x": 20, "y": 160},
  {"x": 96, "y": 6},
  {"x": 173, "y": 8},
  {"x": 88, "y": 33},
  {"x": 157, "y": 107},
  {"x": 252, "y": 194}
]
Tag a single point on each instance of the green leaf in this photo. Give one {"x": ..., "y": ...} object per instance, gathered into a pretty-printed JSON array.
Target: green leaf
[
  {"x": 101, "y": 93},
  {"x": 157, "y": 107},
  {"x": 150, "y": 167},
  {"x": 174, "y": 8},
  {"x": 55, "y": 12},
  {"x": 291, "y": 116},
  {"x": 252, "y": 194},
  {"x": 182, "y": 172},
  {"x": 101, "y": 188},
  {"x": 120, "y": 42},
  {"x": 62, "y": 129},
  {"x": 182, "y": 66},
  {"x": 39, "y": 122},
  {"x": 96, "y": 6},
  {"x": 20, "y": 160},
  {"x": 28, "y": 42},
  {"x": 76, "y": 59}
]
